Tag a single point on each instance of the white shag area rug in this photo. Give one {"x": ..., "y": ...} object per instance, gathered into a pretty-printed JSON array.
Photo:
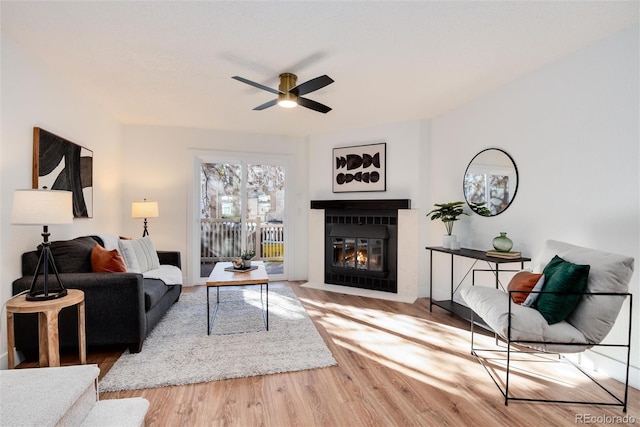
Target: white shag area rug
[{"x": 179, "y": 351}]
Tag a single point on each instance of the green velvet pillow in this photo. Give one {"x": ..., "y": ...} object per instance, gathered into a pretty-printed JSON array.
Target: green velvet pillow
[{"x": 561, "y": 276}]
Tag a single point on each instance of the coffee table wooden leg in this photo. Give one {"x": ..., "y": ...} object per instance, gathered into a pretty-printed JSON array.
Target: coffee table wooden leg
[
  {"x": 10, "y": 341},
  {"x": 82, "y": 339}
]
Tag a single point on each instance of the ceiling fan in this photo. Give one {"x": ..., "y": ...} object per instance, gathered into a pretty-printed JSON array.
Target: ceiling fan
[{"x": 290, "y": 95}]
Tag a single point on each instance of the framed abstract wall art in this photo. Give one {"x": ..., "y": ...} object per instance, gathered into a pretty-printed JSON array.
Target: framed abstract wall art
[
  {"x": 360, "y": 168},
  {"x": 59, "y": 164}
]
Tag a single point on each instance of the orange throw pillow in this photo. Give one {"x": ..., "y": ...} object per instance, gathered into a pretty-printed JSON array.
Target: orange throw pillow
[
  {"x": 522, "y": 281},
  {"x": 105, "y": 261}
]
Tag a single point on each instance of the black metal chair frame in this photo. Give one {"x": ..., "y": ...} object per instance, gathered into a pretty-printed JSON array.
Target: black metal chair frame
[{"x": 619, "y": 401}]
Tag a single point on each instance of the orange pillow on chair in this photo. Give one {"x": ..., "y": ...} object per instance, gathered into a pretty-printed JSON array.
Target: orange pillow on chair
[
  {"x": 522, "y": 281},
  {"x": 105, "y": 261}
]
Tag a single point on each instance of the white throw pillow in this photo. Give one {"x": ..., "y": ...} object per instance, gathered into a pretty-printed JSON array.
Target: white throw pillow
[
  {"x": 129, "y": 256},
  {"x": 139, "y": 255}
]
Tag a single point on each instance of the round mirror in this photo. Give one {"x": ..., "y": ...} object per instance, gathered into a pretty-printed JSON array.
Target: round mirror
[{"x": 490, "y": 182}]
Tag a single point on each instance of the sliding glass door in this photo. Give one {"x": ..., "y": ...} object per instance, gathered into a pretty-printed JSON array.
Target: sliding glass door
[{"x": 242, "y": 210}]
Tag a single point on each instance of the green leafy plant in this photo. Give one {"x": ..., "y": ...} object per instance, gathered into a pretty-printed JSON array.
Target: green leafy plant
[
  {"x": 448, "y": 213},
  {"x": 248, "y": 255}
]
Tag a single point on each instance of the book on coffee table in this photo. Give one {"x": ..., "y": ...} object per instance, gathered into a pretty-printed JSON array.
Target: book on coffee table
[
  {"x": 241, "y": 270},
  {"x": 507, "y": 255}
]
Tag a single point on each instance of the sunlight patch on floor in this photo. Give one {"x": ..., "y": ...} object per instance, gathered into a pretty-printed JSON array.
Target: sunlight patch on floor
[
  {"x": 413, "y": 346},
  {"x": 401, "y": 342}
]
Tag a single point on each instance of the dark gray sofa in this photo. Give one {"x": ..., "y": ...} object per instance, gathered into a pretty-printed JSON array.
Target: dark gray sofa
[{"x": 120, "y": 308}]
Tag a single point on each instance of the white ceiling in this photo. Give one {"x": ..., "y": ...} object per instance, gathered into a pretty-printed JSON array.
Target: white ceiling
[{"x": 170, "y": 63}]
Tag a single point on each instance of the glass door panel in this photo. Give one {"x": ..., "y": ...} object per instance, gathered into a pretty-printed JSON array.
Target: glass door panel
[
  {"x": 265, "y": 201},
  {"x": 242, "y": 209},
  {"x": 220, "y": 214}
]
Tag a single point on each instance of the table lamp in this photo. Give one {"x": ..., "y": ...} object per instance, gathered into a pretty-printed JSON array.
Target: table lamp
[
  {"x": 144, "y": 210},
  {"x": 43, "y": 207}
]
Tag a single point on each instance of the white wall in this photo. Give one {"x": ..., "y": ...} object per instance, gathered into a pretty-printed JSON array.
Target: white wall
[
  {"x": 573, "y": 131},
  {"x": 159, "y": 165},
  {"x": 33, "y": 95}
]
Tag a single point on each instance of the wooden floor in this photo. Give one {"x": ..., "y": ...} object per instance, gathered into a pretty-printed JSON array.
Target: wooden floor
[{"x": 398, "y": 365}]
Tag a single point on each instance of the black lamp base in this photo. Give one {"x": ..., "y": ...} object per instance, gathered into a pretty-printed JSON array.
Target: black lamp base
[
  {"x": 145, "y": 232},
  {"x": 45, "y": 293},
  {"x": 42, "y": 297}
]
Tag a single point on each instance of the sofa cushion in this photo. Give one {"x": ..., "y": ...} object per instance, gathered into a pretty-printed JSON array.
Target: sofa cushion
[
  {"x": 561, "y": 276},
  {"x": 107, "y": 261},
  {"x": 154, "y": 290},
  {"x": 524, "y": 282},
  {"x": 527, "y": 324},
  {"x": 609, "y": 272},
  {"x": 72, "y": 256}
]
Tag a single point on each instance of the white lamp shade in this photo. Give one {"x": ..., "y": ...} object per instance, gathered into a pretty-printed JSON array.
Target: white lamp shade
[
  {"x": 42, "y": 207},
  {"x": 144, "y": 209}
]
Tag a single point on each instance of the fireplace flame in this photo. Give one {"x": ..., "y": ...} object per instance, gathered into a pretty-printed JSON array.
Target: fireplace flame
[{"x": 362, "y": 258}]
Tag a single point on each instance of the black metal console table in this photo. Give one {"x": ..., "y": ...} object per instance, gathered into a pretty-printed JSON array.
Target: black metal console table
[{"x": 494, "y": 266}]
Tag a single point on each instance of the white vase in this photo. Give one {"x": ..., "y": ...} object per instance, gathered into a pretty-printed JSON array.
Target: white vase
[{"x": 448, "y": 240}]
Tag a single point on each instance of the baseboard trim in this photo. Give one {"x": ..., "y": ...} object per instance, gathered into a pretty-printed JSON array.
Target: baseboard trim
[{"x": 613, "y": 368}]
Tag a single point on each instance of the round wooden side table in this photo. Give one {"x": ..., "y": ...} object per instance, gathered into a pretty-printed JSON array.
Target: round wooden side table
[{"x": 47, "y": 325}]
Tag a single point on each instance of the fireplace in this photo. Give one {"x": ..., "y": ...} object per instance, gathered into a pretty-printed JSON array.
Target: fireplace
[
  {"x": 360, "y": 247},
  {"x": 361, "y": 243}
]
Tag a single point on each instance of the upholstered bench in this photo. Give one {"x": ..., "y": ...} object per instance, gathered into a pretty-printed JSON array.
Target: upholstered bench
[{"x": 65, "y": 395}]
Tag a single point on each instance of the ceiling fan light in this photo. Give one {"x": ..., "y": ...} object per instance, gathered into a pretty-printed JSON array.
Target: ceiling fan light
[
  {"x": 287, "y": 100},
  {"x": 287, "y": 103}
]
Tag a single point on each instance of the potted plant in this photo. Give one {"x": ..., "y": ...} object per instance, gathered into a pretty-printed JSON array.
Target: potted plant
[
  {"x": 448, "y": 213},
  {"x": 246, "y": 258}
]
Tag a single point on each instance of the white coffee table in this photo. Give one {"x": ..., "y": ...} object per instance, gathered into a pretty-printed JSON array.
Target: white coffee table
[{"x": 219, "y": 277}]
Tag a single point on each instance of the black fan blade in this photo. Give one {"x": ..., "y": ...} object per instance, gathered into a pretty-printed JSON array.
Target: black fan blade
[
  {"x": 311, "y": 85},
  {"x": 267, "y": 104},
  {"x": 313, "y": 105},
  {"x": 258, "y": 85}
]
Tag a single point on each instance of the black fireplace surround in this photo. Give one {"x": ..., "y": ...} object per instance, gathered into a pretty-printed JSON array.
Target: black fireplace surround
[{"x": 361, "y": 242}]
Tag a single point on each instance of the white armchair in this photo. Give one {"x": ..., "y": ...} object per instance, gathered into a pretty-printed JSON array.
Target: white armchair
[{"x": 597, "y": 306}]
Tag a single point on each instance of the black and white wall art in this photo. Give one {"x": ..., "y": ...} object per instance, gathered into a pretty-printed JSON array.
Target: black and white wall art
[
  {"x": 59, "y": 164},
  {"x": 360, "y": 168}
]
